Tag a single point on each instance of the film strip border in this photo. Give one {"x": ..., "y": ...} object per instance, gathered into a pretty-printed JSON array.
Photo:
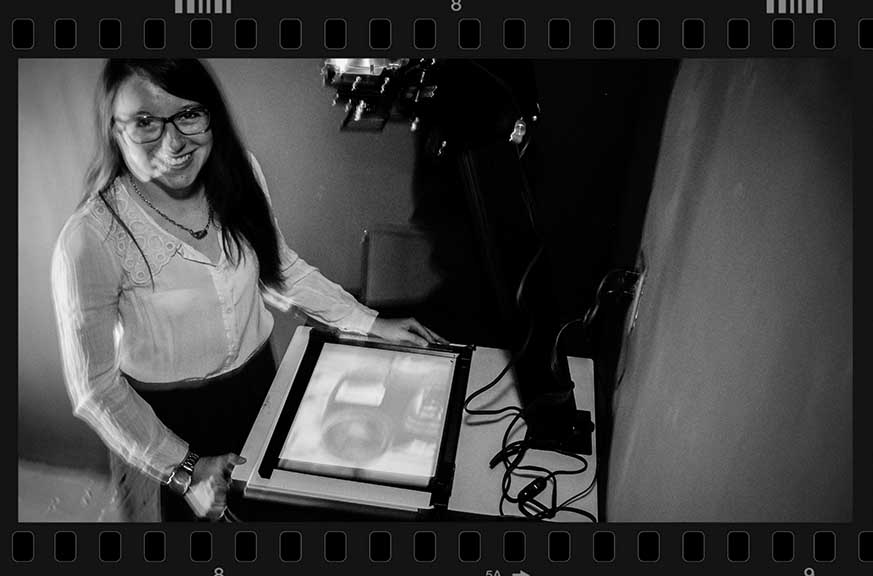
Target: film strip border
[
  {"x": 502, "y": 547},
  {"x": 204, "y": 6},
  {"x": 558, "y": 36}
]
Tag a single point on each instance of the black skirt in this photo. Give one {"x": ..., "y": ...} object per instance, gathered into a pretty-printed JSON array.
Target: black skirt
[{"x": 214, "y": 417}]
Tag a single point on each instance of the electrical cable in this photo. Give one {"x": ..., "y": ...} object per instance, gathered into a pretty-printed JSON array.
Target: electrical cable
[
  {"x": 582, "y": 494},
  {"x": 519, "y": 293},
  {"x": 526, "y": 497},
  {"x": 587, "y": 319},
  {"x": 511, "y": 454},
  {"x": 585, "y": 513},
  {"x": 514, "y": 357},
  {"x": 589, "y": 315},
  {"x": 228, "y": 516}
]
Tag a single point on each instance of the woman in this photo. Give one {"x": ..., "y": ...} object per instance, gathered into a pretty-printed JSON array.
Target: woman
[{"x": 159, "y": 282}]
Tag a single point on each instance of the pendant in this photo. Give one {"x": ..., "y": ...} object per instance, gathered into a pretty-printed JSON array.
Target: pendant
[{"x": 198, "y": 235}]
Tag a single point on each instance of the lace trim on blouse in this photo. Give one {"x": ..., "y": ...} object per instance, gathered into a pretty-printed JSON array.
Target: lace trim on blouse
[{"x": 157, "y": 245}]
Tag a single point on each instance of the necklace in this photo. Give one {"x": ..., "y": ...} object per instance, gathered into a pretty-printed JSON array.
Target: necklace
[{"x": 198, "y": 234}]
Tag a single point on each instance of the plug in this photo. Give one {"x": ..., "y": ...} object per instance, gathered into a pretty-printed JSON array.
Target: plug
[
  {"x": 533, "y": 489},
  {"x": 637, "y": 294}
]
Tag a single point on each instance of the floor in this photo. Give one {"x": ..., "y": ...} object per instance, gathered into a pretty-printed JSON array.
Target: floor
[{"x": 51, "y": 494}]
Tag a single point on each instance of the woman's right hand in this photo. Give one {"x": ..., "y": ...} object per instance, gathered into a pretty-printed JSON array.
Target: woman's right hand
[{"x": 207, "y": 495}]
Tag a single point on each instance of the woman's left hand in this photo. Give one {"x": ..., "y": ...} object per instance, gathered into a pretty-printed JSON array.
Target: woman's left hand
[{"x": 407, "y": 330}]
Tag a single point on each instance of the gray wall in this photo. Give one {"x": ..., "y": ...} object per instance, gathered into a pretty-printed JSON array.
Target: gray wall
[
  {"x": 327, "y": 187},
  {"x": 736, "y": 404}
]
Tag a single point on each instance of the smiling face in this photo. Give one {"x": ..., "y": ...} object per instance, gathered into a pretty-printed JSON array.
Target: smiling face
[{"x": 172, "y": 162}]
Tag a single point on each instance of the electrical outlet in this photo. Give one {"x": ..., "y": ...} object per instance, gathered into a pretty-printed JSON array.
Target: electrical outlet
[{"x": 638, "y": 294}]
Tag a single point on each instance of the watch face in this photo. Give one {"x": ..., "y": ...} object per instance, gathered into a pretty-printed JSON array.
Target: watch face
[{"x": 180, "y": 481}]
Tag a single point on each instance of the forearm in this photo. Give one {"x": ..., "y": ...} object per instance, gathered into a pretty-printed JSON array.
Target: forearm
[
  {"x": 309, "y": 291},
  {"x": 85, "y": 287},
  {"x": 129, "y": 427}
]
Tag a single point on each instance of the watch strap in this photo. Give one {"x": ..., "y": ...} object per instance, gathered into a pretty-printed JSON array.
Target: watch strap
[{"x": 189, "y": 462}]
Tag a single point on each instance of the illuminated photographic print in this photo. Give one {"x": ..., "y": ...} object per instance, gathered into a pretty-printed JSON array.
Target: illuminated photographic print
[{"x": 371, "y": 414}]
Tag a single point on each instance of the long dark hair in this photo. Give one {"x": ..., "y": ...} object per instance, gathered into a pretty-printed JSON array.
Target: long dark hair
[{"x": 230, "y": 184}]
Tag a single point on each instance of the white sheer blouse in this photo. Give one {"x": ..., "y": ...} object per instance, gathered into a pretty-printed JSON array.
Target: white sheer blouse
[{"x": 201, "y": 319}]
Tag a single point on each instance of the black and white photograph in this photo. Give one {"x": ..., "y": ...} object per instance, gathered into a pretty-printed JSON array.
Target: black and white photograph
[{"x": 278, "y": 290}]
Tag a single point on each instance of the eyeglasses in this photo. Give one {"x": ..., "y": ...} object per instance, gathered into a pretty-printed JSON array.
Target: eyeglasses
[{"x": 145, "y": 129}]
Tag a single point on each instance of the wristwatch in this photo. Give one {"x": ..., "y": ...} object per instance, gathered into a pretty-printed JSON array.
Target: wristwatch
[{"x": 180, "y": 479}]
